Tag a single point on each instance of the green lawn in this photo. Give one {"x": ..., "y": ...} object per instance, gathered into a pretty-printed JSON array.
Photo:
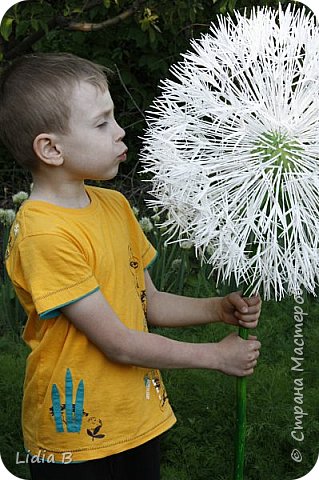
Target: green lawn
[{"x": 201, "y": 445}]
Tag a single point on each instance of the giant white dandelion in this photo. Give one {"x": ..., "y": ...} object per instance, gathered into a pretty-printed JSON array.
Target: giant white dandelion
[{"x": 233, "y": 147}]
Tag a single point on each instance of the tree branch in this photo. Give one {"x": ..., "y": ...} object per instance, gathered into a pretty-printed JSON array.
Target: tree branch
[
  {"x": 89, "y": 27},
  {"x": 27, "y": 42},
  {"x": 65, "y": 24}
]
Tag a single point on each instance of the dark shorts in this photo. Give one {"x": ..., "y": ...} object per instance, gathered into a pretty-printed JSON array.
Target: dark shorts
[{"x": 140, "y": 463}]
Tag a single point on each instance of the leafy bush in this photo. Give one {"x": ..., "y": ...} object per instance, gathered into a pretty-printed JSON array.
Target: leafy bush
[
  {"x": 139, "y": 49},
  {"x": 12, "y": 365}
]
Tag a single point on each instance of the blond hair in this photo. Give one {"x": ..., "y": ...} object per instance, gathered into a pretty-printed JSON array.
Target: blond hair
[{"x": 34, "y": 98}]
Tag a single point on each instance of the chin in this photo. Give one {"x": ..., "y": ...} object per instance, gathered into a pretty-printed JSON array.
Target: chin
[
  {"x": 106, "y": 177},
  {"x": 112, "y": 174}
]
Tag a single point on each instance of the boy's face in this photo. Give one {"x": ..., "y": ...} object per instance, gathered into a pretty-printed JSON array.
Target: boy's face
[{"x": 94, "y": 147}]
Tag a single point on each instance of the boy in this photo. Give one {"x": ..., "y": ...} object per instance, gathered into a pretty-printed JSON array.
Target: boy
[{"x": 94, "y": 403}]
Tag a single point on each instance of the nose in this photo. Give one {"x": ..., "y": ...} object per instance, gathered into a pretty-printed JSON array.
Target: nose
[{"x": 120, "y": 133}]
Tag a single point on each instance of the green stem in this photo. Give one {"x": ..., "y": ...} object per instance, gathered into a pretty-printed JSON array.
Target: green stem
[
  {"x": 181, "y": 272},
  {"x": 161, "y": 269},
  {"x": 241, "y": 419}
]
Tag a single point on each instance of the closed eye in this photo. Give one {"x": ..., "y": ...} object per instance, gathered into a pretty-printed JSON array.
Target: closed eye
[{"x": 101, "y": 125}]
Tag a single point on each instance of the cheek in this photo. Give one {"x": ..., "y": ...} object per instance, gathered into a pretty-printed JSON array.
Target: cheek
[{"x": 72, "y": 146}]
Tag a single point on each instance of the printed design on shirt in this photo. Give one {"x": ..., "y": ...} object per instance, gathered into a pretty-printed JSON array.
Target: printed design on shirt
[
  {"x": 69, "y": 416},
  {"x": 12, "y": 238},
  {"x": 135, "y": 271},
  {"x": 154, "y": 378},
  {"x": 147, "y": 383},
  {"x": 95, "y": 425},
  {"x": 134, "y": 268},
  {"x": 143, "y": 300}
]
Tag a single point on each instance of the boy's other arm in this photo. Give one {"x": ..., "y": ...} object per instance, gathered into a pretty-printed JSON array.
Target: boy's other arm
[
  {"x": 96, "y": 319},
  {"x": 169, "y": 310}
]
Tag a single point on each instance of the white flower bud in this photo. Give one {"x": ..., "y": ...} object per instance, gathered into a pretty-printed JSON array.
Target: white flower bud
[
  {"x": 7, "y": 216},
  {"x": 135, "y": 211},
  {"x": 185, "y": 244},
  {"x": 146, "y": 224},
  {"x": 176, "y": 264},
  {"x": 19, "y": 197}
]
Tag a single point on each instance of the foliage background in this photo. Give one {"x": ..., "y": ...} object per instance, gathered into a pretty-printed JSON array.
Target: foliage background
[
  {"x": 139, "y": 49},
  {"x": 139, "y": 40}
]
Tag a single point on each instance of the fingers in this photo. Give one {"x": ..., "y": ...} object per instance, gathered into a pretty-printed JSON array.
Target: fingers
[
  {"x": 243, "y": 303},
  {"x": 238, "y": 356},
  {"x": 247, "y": 310},
  {"x": 246, "y": 373},
  {"x": 249, "y": 322},
  {"x": 252, "y": 355},
  {"x": 251, "y": 317},
  {"x": 238, "y": 302},
  {"x": 254, "y": 344},
  {"x": 253, "y": 309},
  {"x": 254, "y": 300}
]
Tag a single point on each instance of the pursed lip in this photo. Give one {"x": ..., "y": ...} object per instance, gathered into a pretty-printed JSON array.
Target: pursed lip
[{"x": 122, "y": 155}]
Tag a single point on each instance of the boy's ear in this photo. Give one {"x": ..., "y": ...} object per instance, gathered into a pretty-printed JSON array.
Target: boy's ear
[{"x": 47, "y": 149}]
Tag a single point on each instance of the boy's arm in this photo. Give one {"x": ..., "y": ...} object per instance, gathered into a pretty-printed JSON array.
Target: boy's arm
[
  {"x": 169, "y": 310},
  {"x": 96, "y": 319}
]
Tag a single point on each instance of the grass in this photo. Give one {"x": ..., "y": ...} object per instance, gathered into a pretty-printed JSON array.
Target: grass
[
  {"x": 12, "y": 366},
  {"x": 201, "y": 445}
]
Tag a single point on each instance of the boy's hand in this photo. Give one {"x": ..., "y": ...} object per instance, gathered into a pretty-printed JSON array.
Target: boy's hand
[
  {"x": 237, "y": 356},
  {"x": 240, "y": 311}
]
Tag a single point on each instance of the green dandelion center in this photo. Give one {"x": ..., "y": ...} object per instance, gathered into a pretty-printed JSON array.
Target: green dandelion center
[{"x": 277, "y": 149}]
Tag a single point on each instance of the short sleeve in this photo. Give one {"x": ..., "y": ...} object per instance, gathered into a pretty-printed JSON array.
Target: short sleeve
[{"x": 55, "y": 272}]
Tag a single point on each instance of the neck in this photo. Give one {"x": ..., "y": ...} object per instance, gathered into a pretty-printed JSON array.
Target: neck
[{"x": 66, "y": 194}]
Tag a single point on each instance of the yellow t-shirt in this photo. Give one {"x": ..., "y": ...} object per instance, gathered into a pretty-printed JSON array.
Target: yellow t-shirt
[{"x": 77, "y": 404}]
